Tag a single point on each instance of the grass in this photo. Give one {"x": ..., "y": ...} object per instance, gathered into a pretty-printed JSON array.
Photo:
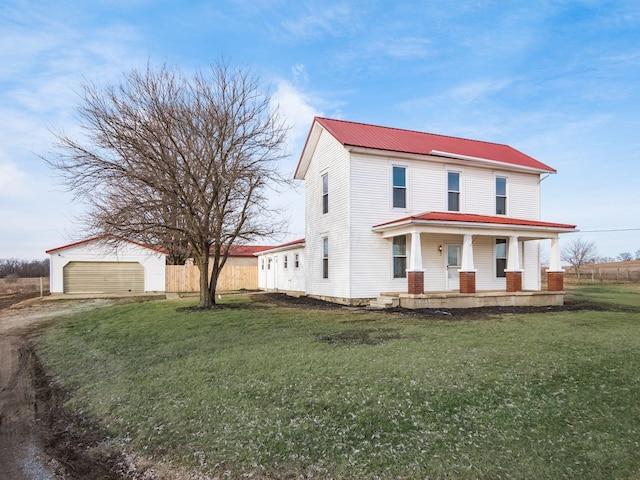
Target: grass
[
  {"x": 626, "y": 294},
  {"x": 273, "y": 391}
]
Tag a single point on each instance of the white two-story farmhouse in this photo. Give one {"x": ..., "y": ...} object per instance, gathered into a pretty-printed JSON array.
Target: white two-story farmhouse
[{"x": 421, "y": 220}]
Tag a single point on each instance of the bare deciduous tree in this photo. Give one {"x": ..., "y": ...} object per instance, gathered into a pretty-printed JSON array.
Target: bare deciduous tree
[
  {"x": 625, "y": 257},
  {"x": 578, "y": 253},
  {"x": 175, "y": 160}
]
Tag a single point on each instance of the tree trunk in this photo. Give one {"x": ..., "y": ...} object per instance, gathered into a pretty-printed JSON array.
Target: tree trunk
[
  {"x": 215, "y": 273},
  {"x": 205, "y": 298}
]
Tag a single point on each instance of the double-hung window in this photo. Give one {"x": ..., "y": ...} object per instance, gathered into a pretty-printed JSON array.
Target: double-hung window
[
  {"x": 501, "y": 257},
  {"x": 325, "y": 193},
  {"x": 325, "y": 257},
  {"x": 501, "y": 196},
  {"x": 296, "y": 260},
  {"x": 453, "y": 191},
  {"x": 399, "y": 187},
  {"x": 400, "y": 256},
  {"x": 286, "y": 262}
]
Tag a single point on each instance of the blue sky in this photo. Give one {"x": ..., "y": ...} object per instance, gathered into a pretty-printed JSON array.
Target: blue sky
[{"x": 559, "y": 80}]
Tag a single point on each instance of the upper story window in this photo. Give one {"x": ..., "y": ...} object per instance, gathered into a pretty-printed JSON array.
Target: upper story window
[
  {"x": 325, "y": 257},
  {"x": 501, "y": 196},
  {"x": 399, "y": 187},
  {"x": 286, "y": 262},
  {"x": 296, "y": 260},
  {"x": 400, "y": 256},
  {"x": 453, "y": 191},
  {"x": 501, "y": 257},
  {"x": 325, "y": 193}
]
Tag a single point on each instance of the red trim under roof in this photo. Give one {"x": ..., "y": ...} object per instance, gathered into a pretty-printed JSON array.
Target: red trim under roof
[
  {"x": 473, "y": 218},
  {"x": 247, "y": 250},
  {"x": 103, "y": 237},
  {"x": 420, "y": 143},
  {"x": 292, "y": 243}
]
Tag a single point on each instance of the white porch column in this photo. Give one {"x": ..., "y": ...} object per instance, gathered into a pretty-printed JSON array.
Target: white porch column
[
  {"x": 555, "y": 274},
  {"x": 513, "y": 257},
  {"x": 467, "y": 272},
  {"x": 415, "y": 256},
  {"x": 415, "y": 273},
  {"x": 555, "y": 264},
  {"x": 466, "y": 263},
  {"x": 513, "y": 272}
]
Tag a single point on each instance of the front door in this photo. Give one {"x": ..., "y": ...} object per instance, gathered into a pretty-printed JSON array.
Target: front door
[{"x": 454, "y": 255}]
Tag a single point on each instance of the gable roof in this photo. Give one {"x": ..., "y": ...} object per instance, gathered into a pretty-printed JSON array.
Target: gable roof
[
  {"x": 107, "y": 237},
  {"x": 361, "y": 135},
  {"x": 450, "y": 218}
]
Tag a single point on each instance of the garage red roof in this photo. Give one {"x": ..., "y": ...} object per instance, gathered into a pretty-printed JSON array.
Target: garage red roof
[
  {"x": 408, "y": 141},
  {"x": 440, "y": 217},
  {"x": 104, "y": 237}
]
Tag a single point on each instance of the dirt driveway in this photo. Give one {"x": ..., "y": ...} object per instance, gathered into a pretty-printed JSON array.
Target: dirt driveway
[{"x": 24, "y": 441}]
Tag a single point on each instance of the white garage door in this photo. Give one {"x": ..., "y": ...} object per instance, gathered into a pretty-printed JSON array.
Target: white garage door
[{"x": 103, "y": 277}]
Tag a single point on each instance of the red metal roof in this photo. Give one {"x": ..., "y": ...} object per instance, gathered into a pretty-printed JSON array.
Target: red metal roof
[
  {"x": 439, "y": 217},
  {"x": 247, "y": 250},
  {"x": 284, "y": 246},
  {"x": 103, "y": 237},
  {"x": 413, "y": 142}
]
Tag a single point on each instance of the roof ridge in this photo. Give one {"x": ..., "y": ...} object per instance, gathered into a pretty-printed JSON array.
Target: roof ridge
[{"x": 413, "y": 131}]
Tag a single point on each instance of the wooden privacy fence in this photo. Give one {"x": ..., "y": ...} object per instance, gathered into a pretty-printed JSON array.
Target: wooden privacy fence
[{"x": 186, "y": 278}]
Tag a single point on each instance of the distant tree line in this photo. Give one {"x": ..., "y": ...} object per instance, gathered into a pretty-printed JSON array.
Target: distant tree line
[{"x": 23, "y": 268}]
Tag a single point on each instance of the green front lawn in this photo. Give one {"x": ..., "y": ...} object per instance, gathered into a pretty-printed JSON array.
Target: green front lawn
[{"x": 254, "y": 388}]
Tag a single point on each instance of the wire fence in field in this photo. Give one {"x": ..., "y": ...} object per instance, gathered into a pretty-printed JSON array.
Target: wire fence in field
[
  {"x": 604, "y": 273},
  {"x": 10, "y": 285}
]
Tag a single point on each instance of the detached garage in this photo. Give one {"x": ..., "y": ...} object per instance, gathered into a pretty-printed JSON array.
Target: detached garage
[{"x": 104, "y": 265}]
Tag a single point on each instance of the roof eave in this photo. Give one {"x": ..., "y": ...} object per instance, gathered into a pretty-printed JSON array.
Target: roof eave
[
  {"x": 474, "y": 225},
  {"x": 546, "y": 169}
]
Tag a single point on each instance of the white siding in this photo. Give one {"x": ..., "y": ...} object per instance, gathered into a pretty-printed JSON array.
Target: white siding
[
  {"x": 331, "y": 158},
  {"x": 360, "y": 197},
  {"x": 531, "y": 265},
  {"x": 524, "y": 196}
]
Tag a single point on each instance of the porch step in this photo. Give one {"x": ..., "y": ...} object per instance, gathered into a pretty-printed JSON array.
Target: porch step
[{"x": 384, "y": 301}]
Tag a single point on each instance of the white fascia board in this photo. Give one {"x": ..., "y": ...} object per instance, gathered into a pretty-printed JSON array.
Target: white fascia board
[
  {"x": 281, "y": 249},
  {"x": 539, "y": 232},
  {"x": 308, "y": 151},
  {"x": 452, "y": 157},
  {"x": 438, "y": 153}
]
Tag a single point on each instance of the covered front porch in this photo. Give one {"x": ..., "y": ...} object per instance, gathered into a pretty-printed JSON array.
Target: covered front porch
[
  {"x": 484, "y": 261},
  {"x": 448, "y": 300}
]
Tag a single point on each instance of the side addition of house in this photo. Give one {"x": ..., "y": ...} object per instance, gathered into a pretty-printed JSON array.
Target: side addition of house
[{"x": 423, "y": 220}]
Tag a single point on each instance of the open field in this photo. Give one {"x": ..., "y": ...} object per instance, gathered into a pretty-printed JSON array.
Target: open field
[
  {"x": 10, "y": 286},
  {"x": 275, "y": 390}
]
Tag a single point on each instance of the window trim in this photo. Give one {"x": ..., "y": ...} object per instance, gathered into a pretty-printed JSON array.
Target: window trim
[
  {"x": 505, "y": 196},
  {"x": 505, "y": 242},
  {"x": 296, "y": 260},
  {"x": 285, "y": 262},
  {"x": 458, "y": 192},
  {"x": 395, "y": 256},
  {"x": 325, "y": 193},
  {"x": 325, "y": 258},
  {"x": 404, "y": 187}
]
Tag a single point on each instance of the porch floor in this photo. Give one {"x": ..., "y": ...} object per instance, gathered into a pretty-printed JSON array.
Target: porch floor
[{"x": 455, "y": 299}]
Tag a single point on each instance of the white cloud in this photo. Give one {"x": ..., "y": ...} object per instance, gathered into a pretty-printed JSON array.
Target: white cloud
[
  {"x": 13, "y": 181},
  {"x": 297, "y": 109},
  {"x": 321, "y": 20}
]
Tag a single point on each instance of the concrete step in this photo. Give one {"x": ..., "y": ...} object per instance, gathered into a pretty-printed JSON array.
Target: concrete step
[{"x": 384, "y": 302}]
